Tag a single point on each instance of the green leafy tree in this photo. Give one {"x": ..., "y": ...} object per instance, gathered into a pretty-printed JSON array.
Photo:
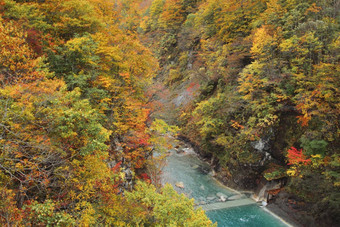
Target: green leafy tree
[{"x": 166, "y": 208}]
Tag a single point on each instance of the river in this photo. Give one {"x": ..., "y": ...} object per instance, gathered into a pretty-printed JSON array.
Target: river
[{"x": 200, "y": 185}]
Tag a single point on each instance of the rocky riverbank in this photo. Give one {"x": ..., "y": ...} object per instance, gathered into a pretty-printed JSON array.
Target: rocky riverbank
[{"x": 281, "y": 204}]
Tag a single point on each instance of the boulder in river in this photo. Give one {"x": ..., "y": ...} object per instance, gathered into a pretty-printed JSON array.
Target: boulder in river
[
  {"x": 235, "y": 197},
  {"x": 180, "y": 184},
  {"x": 202, "y": 203},
  {"x": 223, "y": 199},
  {"x": 211, "y": 197},
  {"x": 202, "y": 187},
  {"x": 201, "y": 198},
  {"x": 220, "y": 194},
  {"x": 195, "y": 167}
]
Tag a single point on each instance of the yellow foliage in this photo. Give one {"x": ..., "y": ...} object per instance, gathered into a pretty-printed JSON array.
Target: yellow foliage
[{"x": 292, "y": 171}]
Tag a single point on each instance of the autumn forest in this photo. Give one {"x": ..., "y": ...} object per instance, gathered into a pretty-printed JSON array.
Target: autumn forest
[{"x": 91, "y": 90}]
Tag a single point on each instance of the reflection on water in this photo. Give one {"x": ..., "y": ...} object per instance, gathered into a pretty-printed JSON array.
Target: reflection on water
[{"x": 199, "y": 184}]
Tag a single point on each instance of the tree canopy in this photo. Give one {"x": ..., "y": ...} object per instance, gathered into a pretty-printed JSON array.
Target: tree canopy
[{"x": 75, "y": 129}]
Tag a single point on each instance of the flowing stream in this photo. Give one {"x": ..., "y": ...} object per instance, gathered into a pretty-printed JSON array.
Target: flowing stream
[{"x": 187, "y": 169}]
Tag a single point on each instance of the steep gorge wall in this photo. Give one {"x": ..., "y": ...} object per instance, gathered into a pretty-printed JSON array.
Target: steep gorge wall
[{"x": 254, "y": 84}]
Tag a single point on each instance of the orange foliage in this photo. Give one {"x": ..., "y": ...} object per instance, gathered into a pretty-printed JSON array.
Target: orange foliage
[
  {"x": 296, "y": 157},
  {"x": 18, "y": 62}
]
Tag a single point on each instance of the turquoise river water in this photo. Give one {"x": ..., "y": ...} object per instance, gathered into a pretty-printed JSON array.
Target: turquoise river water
[{"x": 201, "y": 186}]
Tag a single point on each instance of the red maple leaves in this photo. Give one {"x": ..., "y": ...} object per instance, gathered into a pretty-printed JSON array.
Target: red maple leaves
[{"x": 296, "y": 157}]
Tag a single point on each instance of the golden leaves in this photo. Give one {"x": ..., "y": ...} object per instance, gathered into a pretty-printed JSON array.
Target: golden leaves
[{"x": 17, "y": 60}]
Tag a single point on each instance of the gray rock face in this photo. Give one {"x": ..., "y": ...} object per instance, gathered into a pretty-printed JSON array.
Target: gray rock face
[
  {"x": 266, "y": 186},
  {"x": 118, "y": 145},
  {"x": 128, "y": 174},
  {"x": 259, "y": 145},
  {"x": 111, "y": 164},
  {"x": 263, "y": 144}
]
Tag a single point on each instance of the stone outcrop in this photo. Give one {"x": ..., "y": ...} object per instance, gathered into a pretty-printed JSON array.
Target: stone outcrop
[
  {"x": 180, "y": 185},
  {"x": 263, "y": 191}
]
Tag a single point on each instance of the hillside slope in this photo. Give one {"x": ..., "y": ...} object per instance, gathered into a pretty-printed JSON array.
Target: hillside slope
[{"x": 255, "y": 86}]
